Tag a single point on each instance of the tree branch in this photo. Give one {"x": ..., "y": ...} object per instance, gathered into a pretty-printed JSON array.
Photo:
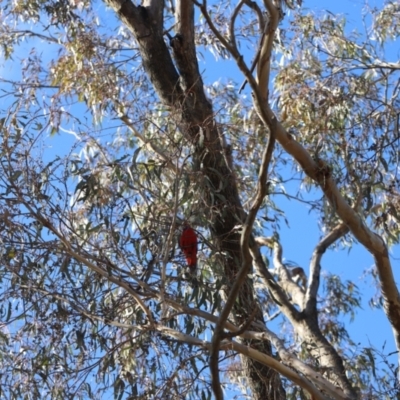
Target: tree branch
[
  {"x": 290, "y": 360},
  {"x": 279, "y": 367},
  {"x": 264, "y": 62},
  {"x": 248, "y": 352},
  {"x": 146, "y": 24},
  {"x": 184, "y": 49},
  {"x": 276, "y": 291},
  {"x": 310, "y": 303},
  {"x": 266, "y": 334},
  {"x": 285, "y": 278},
  {"x": 305, "y": 325},
  {"x": 231, "y": 47},
  {"x": 232, "y": 36},
  {"x": 320, "y": 172}
]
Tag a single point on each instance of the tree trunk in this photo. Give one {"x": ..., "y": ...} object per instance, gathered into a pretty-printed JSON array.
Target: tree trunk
[{"x": 181, "y": 88}]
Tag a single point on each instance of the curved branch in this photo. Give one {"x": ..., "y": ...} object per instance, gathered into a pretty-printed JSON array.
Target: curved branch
[
  {"x": 262, "y": 24},
  {"x": 310, "y": 303},
  {"x": 264, "y": 62},
  {"x": 231, "y": 47},
  {"x": 235, "y": 13},
  {"x": 256, "y": 8}
]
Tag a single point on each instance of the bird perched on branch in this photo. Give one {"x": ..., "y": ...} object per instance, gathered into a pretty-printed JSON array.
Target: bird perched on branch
[{"x": 188, "y": 245}]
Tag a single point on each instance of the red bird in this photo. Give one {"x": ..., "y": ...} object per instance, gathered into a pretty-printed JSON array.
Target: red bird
[{"x": 188, "y": 245}]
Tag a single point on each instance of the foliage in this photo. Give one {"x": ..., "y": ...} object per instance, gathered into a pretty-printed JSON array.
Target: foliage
[{"x": 95, "y": 297}]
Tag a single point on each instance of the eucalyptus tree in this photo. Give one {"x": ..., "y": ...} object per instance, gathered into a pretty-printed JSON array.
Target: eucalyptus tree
[{"x": 95, "y": 294}]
